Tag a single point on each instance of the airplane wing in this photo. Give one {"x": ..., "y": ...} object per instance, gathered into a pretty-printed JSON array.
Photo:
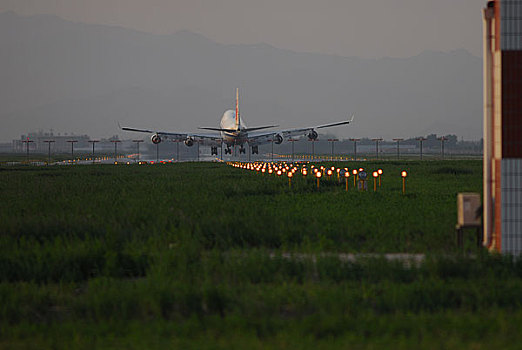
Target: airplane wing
[
  {"x": 204, "y": 139},
  {"x": 260, "y": 138},
  {"x": 174, "y": 136}
]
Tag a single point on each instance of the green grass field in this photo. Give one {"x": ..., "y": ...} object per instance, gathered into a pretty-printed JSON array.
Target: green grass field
[{"x": 204, "y": 255}]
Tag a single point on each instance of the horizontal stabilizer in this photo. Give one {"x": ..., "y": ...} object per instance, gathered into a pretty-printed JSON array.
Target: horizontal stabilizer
[
  {"x": 261, "y": 127},
  {"x": 219, "y": 129}
]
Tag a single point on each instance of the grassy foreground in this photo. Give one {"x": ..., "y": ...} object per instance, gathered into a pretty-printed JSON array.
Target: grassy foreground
[{"x": 204, "y": 255}]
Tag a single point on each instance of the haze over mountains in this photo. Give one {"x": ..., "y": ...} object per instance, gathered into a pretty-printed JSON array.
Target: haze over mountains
[{"x": 82, "y": 78}]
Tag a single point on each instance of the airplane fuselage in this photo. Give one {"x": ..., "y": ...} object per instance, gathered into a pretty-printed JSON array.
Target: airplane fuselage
[{"x": 228, "y": 121}]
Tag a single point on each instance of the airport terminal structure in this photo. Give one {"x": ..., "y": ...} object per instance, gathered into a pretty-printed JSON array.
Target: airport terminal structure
[{"x": 502, "y": 35}]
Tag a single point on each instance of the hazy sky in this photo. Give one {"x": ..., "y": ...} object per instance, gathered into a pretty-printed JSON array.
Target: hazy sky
[{"x": 366, "y": 28}]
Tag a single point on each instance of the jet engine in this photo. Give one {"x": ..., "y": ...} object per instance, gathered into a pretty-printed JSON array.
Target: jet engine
[
  {"x": 189, "y": 141},
  {"x": 312, "y": 135},
  {"x": 278, "y": 139},
  {"x": 155, "y": 139}
]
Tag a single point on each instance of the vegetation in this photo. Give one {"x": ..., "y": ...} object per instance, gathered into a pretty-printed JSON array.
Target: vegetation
[
  {"x": 204, "y": 255},
  {"x": 38, "y": 158}
]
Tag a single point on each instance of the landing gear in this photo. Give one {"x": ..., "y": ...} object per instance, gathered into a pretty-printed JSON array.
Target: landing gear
[
  {"x": 213, "y": 150},
  {"x": 242, "y": 150},
  {"x": 228, "y": 150},
  {"x": 255, "y": 150}
]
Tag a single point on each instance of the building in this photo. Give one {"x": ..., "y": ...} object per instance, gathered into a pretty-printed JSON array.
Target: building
[{"x": 502, "y": 37}]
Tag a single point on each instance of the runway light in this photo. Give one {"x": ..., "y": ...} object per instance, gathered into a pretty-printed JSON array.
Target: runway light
[
  {"x": 279, "y": 172},
  {"x": 290, "y": 174},
  {"x": 403, "y": 175},
  {"x": 346, "y": 176},
  {"x": 380, "y": 173},
  {"x": 354, "y": 172},
  {"x": 375, "y": 175},
  {"x": 318, "y": 175}
]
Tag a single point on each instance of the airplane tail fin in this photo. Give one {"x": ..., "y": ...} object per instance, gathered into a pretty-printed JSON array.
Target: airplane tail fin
[{"x": 238, "y": 121}]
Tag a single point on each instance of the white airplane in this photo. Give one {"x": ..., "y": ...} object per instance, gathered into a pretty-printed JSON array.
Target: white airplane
[{"x": 234, "y": 132}]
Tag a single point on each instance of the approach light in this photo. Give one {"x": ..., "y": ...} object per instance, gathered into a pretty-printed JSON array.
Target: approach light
[
  {"x": 379, "y": 171},
  {"x": 346, "y": 176},
  {"x": 404, "y": 174},
  {"x": 279, "y": 172}
]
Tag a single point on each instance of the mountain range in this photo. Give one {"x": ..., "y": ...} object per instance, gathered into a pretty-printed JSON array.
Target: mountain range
[{"x": 82, "y": 78}]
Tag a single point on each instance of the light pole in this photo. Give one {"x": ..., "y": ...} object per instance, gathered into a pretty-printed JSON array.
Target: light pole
[
  {"x": 377, "y": 147},
  {"x": 221, "y": 143},
  {"x": 272, "y": 140},
  {"x": 333, "y": 141},
  {"x": 355, "y": 148},
  {"x": 138, "y": 147},
  {"x": 292, "y": 140},
  {"x": 198, "y": 149},
  {"x": 115, "y": 150},
  {"x": 93, "y": 142},
  {"x": 27, "y": 142},
  {"x": 72, "y": 142},
  {"x": 442, "y": 139},
  {"x": 420, "y": 139},
  {"x": 313, "y": 147},
  {"x": 177, "y": 149},
  {"x": 49, "y": 150},
  {"x": 398, "y": 146}
]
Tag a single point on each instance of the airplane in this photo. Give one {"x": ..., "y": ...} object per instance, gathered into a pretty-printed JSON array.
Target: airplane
[{"x": 234, "y": 132}]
